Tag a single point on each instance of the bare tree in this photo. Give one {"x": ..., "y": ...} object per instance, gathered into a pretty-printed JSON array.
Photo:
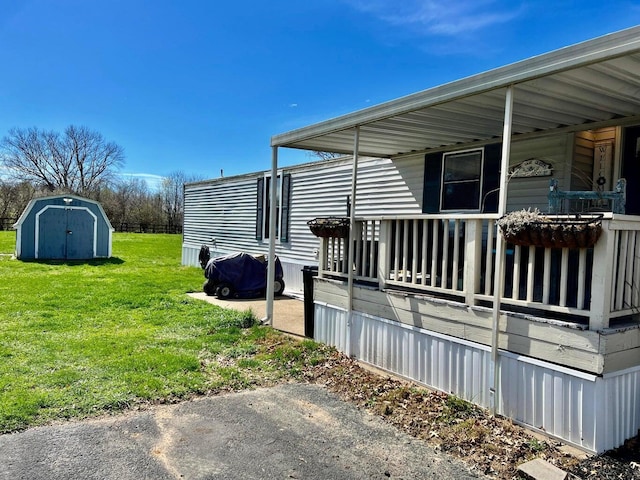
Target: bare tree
[
  {"x": 14, "y": 197},
  {"x": 173, "y": 196},
  {"x": 123, "y": 202},
  {"x": 79, "y": 161},
  {"x": 324, "y": 155}
]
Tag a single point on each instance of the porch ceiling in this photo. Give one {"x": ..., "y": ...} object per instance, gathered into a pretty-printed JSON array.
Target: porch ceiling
[{"x": 587, "y": 85}]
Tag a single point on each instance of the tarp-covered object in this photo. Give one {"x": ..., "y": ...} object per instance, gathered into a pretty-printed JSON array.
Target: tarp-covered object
[{"x": 240, "y": 275}]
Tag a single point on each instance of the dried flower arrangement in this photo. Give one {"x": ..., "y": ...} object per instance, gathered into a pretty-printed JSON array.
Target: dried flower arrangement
[
  {"x": 530, "y": 227},
  {"x": 329, "y": 227}
]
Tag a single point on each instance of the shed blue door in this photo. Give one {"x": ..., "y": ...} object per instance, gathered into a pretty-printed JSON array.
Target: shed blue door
[{"x": 65, "y": 234}]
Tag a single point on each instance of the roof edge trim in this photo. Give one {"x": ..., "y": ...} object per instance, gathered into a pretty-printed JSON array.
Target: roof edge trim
[{"x": 581, "y": 54}]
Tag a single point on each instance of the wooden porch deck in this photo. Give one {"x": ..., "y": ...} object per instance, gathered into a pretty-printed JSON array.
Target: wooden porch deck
[{"x": 576, "y": 307}]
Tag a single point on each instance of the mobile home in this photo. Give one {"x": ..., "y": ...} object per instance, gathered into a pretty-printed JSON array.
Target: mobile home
[{"x": 546, "y": 334}]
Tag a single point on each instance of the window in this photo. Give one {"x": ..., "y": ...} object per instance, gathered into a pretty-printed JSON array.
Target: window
[
  {"x": 461, "y": 180},
  {"x": 465, "y": 180},
  {"x": 282, "y": 188}
]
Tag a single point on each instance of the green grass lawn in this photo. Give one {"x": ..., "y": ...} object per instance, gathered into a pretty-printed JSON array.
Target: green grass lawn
[{"x": 80, "y": 339}]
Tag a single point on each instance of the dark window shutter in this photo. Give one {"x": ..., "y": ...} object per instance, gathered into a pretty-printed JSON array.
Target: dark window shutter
[
  {"x": 491, "y": 177},
  {"x": 286, "y": 198},
  {"x": 432, "y": 183},
  {"x": 260, "y": 208}
]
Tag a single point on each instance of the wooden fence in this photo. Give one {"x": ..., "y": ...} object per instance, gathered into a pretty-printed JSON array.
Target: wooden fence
[{"x": 7, "y": 224}]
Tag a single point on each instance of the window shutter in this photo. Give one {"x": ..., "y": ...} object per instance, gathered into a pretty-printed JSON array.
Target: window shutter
[
  {"x": 491, "y": 177},
  {"x": 260, "y": 208},
  {"x": 286, "y": 198},
  {"x": 432, "y": 181}
]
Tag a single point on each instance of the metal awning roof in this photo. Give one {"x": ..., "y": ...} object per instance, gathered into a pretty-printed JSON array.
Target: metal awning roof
[{"x": 586, "y": 85}]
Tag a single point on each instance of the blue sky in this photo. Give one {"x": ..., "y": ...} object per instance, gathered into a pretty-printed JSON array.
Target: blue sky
[{"x": 200, "y": 86}]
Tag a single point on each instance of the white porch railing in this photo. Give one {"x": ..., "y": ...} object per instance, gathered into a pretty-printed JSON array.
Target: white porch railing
[{"x": 454, "y": 257}]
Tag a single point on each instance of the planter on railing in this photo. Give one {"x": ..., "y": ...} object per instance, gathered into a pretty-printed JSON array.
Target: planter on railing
[
  {"x": 531, "y": 228},
  {"x": 329, "y": 227}
]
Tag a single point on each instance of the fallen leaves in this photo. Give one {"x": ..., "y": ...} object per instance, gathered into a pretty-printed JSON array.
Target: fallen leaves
[{"x": 494, "y": 446}]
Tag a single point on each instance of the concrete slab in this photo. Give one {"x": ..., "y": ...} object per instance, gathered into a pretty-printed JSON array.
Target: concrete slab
[
  {"x": 539, "y": 469},
  {"x": 289, "y": 431},
  {"x": 288, "y": 312}
]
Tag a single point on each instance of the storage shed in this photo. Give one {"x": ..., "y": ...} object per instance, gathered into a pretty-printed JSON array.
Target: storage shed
[{"x": 63, "y": 227}]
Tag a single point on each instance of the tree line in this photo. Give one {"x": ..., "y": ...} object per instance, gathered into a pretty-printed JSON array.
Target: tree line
[{"x": 80, "y": 161}]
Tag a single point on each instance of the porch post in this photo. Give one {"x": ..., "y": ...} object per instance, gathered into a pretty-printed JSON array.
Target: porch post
[
  {"x": 352, "y": 236},
  {"x": 271, "y": 266},
  {"x": 604, "y": 259},
  {"x": 473, "y": 257},
  {"x": 498, "y": 270}
]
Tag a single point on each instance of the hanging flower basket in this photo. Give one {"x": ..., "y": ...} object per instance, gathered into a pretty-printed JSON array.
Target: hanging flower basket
[
  {"x": 531, "y": 228},
  {"x": 329, "y": 227}
]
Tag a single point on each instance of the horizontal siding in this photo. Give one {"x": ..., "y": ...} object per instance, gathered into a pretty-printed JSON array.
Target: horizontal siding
[
  {"x": 225, "y": 209},
  {"x": 532, "y": 192},
  {"x": 222, "y": 210},
  {"x": 582, "y": 168}
]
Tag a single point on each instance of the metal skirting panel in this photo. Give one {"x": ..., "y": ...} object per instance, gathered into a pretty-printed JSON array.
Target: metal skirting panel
[
  {"x": 558, "y": 401},
  {"x": 190, "y": 255},
  {"x": 330, "y": 326},
  {"x": 435, "y": 360},
  {"x": 620, "y": 400},
  {"x": 585, "y": 410},
  {"x": 408, "y": 351},
  {"x": 292, "y": 272}
]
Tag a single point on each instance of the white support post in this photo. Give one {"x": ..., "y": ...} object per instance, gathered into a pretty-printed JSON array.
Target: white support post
[
  {"x": 414, "y": 253},
  {"x": 604, "y": 259},
  {"x": 445, "y": 254},
  {"x": 425, "y": 250},
  {"x": 271, "y": 266},
  {"x": 491, "y": 228},
  {"x": 384, "y": 248},
  {"x": 499, "y": 259},
  {"x": 322, "y": 256},
  {"x": 352, "y": 234},
  {"x": 472, "y": 260},
  {"x": 360, "y": 258},
  {"x": 456, "y": 254}
]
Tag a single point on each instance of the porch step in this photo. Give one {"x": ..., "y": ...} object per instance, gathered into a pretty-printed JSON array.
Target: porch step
[{"x": 539, "y": 469}]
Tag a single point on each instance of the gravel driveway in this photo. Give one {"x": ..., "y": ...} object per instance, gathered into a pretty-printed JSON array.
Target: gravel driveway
[{"x": 288, "y": 431}]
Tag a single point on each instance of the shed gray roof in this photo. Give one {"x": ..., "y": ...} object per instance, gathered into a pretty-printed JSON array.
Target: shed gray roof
[
  {"x": 587, "y": 85},
  {"x": 25, "y": 213}
]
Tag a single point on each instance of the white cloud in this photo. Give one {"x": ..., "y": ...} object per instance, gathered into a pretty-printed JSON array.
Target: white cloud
[
  {"x": 439, "y": 17},
  {"x": 154, "y": 182},
  {"x": 293, "y": 105}
]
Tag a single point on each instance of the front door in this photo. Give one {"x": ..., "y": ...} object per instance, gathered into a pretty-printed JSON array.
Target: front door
[
  {"x": 66, "y": 234},
  {"x": 631, "y": 168}
]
